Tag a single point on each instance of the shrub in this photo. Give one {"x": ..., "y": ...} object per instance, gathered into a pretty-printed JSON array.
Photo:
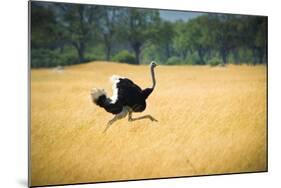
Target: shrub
[
  {"x": 193, "y": 59},
  {"x": 174, "y": 60},
  {"x": 44, "y": 58},
  {"x": 51, "y": 58},
  {"x": 68, "y": 59},
  {"x": 124, "y": 57},
  {"x": 215, "y": 62}
]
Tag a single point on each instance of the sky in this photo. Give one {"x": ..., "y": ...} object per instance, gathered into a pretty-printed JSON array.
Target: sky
[{"x": 171, "y": 15}]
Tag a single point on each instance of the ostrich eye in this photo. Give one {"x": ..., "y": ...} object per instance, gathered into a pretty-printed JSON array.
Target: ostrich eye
[{"x": 153, "y": 64}]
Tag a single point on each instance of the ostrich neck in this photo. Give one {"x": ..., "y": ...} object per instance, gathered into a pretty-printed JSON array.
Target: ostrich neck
[{"x": 153, "y": 77}]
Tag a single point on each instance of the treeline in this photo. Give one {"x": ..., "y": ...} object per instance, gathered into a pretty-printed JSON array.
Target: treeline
[{"x": 65, "y": 34}]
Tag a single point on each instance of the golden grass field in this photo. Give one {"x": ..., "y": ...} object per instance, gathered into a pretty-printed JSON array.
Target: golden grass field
[{"x": 211, "y": 120}]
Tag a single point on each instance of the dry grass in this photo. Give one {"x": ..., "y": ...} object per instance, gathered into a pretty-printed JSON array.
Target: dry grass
[{"x": 211, "y": 120}]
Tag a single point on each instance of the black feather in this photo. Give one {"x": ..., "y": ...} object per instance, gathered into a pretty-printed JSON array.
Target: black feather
[
  {"x": 105, "y": 103},
  {"x": 146, "y": 92},
  {"x": 130, "y": 94}
]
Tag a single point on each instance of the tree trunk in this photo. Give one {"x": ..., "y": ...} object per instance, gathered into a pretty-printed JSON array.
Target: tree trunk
[
  {"x": 108, "y": 52},
  {"x": 208, "y": 54},
  {"x": 224, "y": 56},
  {"x": 137, "y": 53},
  {"x": 201, "y": 56},
  {"x": 107, "y": 42},
  {"x": 261, "y": 55},
  {"x": 254, "y": 56},
  {"x": 167, "y": 47},
  {"x": 265, "y": 55},
  {"x": 184, "y": 53},
  {"x": 81, "y": 52},
  {"x": 137, "y": 50},
  {"x": 236, "y": 56},
  {"x": 61, "y": 47},
  {"x": 80, "y": 48}
]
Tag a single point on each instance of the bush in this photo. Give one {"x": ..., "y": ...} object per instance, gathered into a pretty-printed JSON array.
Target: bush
[
  {"x": 52, "y": 58},
  {"x": 174, "y": 60},
  {"x": 124, "y": 57},
  {"x": 193, "y": 59},
  {"x": 68, "y": 59},
  {"x": 44, "y": 58},
  {"x": 90, "y": 57},
  {"x": 215, "y": 62}
]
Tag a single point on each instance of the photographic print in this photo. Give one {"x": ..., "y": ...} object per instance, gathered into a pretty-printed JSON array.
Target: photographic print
[{"x": 128, "y": 93}]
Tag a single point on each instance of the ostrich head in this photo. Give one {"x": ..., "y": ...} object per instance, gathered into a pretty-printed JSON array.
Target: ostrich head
[
  {"x": 153, "y": 64},
  {"x": 146, "y": 92}
]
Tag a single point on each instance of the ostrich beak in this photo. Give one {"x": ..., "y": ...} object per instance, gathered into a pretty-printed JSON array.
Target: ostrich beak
[{"x": 154, "y": 63}]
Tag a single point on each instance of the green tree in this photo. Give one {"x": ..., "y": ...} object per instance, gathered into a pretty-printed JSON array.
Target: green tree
[
  {"x": 108, "y": 26},
  {"x": 43, "y": 24},
  {"x": 78, "y": 23},
  {"x": 223, "y": 33},
  {"x": 163, "y": 38},
  {"x": 45, "y": 36},
  {"x": 255, "y": 37},
  {"x": 198, "y": 36},
  {"x": 180, "y": 40},
  {"x": 139, "y": 25}
]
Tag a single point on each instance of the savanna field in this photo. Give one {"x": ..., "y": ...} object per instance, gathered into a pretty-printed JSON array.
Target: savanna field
[{"x": 211, "y": 120}]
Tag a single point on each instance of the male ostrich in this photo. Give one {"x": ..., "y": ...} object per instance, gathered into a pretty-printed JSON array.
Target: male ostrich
[{"x": 127, "y": 98}]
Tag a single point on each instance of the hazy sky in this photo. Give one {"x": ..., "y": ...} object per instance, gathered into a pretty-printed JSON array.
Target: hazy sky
[
  {"x": 178, "y": 15},
  {"x": 169, "y": 15}
]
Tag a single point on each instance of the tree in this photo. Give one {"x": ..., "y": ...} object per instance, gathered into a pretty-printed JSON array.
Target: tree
[
  {"x": 108, "y": 25},
  {"x": 43, "y": 27},
  {"x": 223, "y": 33},
  {"x": 180, "y": 40},
  {"x": 78, "y": 23},
  {"x": 198, "y": 36},
  {"x": 255, "y": 29},
  {"x": 45, "y": 36},
  {"x": 139, "y": 27},
  {"x": 63, "y": 34},
  {"x": 261, "y": 38},
  {"x": 163, "y": 38}
]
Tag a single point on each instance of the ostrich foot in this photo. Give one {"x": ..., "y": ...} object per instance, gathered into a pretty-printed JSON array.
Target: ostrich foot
[
  {"x": 142, "y": 117},
  {"x": 153, "y": 119},
  {"x": 116, "y": 117},
  {"x": 108, "y": 125}
]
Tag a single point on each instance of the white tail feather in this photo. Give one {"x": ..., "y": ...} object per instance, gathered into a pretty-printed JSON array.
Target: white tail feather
[
  {"x": 96, "y": 93},
  {"x": 114, "y": 79}
]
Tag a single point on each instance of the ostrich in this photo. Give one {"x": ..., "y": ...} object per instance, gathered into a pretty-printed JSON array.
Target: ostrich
[{"x": 127, "y": 98}]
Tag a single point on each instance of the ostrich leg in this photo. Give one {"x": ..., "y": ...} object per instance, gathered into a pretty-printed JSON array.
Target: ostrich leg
[
  {"x": 116, "y": 117},
  {"x": 130, "y": 118}
]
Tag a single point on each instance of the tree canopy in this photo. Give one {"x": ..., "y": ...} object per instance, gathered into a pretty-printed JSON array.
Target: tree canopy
[{"x": 65, "y": 34}]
